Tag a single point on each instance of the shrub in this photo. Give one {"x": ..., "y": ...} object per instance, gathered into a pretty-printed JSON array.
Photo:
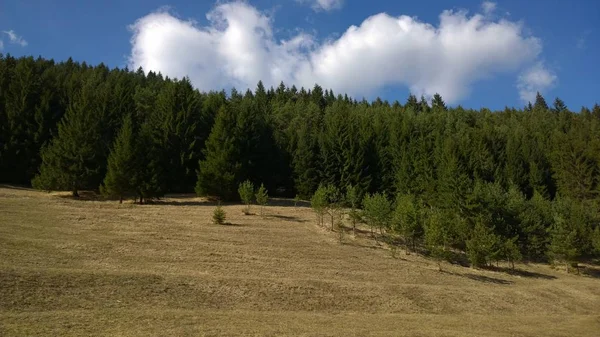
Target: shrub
[{"x": 219, "y": 216}]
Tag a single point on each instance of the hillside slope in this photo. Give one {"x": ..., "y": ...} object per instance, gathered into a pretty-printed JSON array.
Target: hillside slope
[{"x": 78, "y": 268}]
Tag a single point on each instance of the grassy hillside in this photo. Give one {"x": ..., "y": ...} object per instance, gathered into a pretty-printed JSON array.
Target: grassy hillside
[{"x": 78, "y": 268}]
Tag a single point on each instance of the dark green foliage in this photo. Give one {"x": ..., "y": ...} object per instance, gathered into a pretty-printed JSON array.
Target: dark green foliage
[
  {"x": 510, "y": 251},
  {"x": 483, "y": 245},
  {"x": 521, "y": 172},
  {"x": 437, "y": 236},
  {"x": 75, "y": 159},
  {"x": 596, "y": 240},
  {"x": 407, "y": 219},
  {"x": 120, "y": 179},
  {"x": 220, "y": 168}
]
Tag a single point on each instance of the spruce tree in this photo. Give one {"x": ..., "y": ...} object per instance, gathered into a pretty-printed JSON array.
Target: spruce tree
[
  {"x": 119, "y": 178},
  {"x": 74, "y": 159},
  {"x": 407, "y": 220},
  {"x": 318, "y": 202},
  {"x": 482, "y": 245},
  {"x": 377, "y": 211},
  {"x": 219, "y": 170},
  {"x": 437, "y": 236},
  {"x": 246, "y": 192},
  {"x": 437, "y": 103},
  {"x": 262, "y": 197}
]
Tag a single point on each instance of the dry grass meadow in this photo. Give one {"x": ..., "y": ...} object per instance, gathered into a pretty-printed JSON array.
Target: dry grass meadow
[{"x": 82, "y": 268}]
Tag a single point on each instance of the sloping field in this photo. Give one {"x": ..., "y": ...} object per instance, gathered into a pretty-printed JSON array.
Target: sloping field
[{"x": 81, "y": 268}]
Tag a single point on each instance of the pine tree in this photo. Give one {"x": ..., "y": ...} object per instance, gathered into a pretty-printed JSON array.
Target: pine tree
[
  {"x": 318, "y": 203},
  {"x": 353, "y": 199},
  {"x": 262, "y": 197},
  {"x": 148, "y": 179},
  {"x": 437, "y": 103},
  {"x": 540, "y": 103},
  {"x": 406, "y": 220},
  {"x": 220, "y": 167},
  {"x": 511, "y": 251},
  {"x": 563, "y": 245},
  {"x": 246, "y": 192},
  {"x": 437, "y": 236},
  {"x": 412, "y": 103},
  {"x": 74, "y": 159},
  {"x": 219, "y": 215},
  {"x": 121, "y": 163},
  {"x": 482, "y": 245},
  {"x": 377, "y": 211},
  {"x": 559, "y": 106}
]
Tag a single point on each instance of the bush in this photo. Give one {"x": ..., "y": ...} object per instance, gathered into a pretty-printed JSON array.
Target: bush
[{"x": 219, "y": 216}]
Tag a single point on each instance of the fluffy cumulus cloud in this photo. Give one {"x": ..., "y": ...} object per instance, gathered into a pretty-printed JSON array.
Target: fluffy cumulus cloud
[
  {"x": 535, "y": 79},
  {"x": 14, "y": 38},
  {"x": 238, "y": 48}
]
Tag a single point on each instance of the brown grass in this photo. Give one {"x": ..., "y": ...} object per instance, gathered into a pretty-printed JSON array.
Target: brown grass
[{"x": 80, "y": 268}]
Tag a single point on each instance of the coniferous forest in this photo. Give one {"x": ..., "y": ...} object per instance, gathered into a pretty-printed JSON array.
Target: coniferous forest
[{"x": 516, "y": 184}]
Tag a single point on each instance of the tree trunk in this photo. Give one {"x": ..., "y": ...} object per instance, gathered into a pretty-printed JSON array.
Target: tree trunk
[
  {"x": 332, "y": 229},
  {"x": 75, "y": 193},
  {"x": 121, "y": 199}
]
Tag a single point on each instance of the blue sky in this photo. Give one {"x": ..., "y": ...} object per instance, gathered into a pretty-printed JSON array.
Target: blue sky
[{"x": 492, "y": 55}]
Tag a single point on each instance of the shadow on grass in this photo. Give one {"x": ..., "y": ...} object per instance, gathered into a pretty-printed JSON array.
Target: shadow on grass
[
  {"x": 231, "y": 224},
  {"x": 521, "y": 273},
  {"x": 287, "y": 218},
  {"x": 590, "y": 271},
  {"x": 487, "y": 279}
]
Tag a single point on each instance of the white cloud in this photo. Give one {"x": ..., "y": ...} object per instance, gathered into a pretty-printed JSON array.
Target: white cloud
[
  {"x": 488, "y": 7},
  {"x": 14, "y": 38},
  {"x": 325, "y": 5},
  {"x": 537, "y": 78},
  {"x": 238, "y": 48}
]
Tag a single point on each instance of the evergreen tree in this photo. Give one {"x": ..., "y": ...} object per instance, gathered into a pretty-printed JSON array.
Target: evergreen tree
[
  {"x": 353, "y": 199},
  {"x": 437, "y": 103},
  {"x": 437, "y": 236},
  {"x": 219, "y": 170},
  {"x": 318, "y": 203},
  {"x": 563, "y": 245},
  {"x": 407, "y": 219},
  {"x": 121, "y": 163},
  {"x": 559, "y": 105},
  {"x": 540, "y": 103},
  {"x": 262, "y": 197},
  {"x": 377, "y": 211},
  {"x": 74, "y": 159},
  {"x": 482, "y": 245},
  {"x": 246, "y": 192}
]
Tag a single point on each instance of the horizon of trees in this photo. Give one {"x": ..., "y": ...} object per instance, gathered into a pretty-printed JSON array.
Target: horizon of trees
[{"x": 474, "y": 180}]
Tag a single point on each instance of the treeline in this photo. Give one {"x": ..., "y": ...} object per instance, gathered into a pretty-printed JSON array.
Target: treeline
[{"x": 529, "y": 176}]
